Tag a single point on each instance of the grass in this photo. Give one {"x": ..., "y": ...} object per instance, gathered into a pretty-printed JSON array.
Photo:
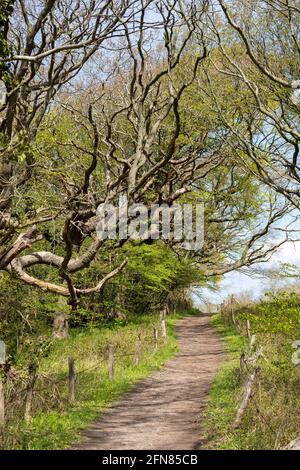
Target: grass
[
  {"x": 56, "y": 425},
  {"x": 272, "y": 417},
  {"x": 222, "y": 402}
]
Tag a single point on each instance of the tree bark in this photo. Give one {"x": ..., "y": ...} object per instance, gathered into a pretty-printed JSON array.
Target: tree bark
[
  {"x": 246, "y": 398},
  {"x": 60, "y": 323}
]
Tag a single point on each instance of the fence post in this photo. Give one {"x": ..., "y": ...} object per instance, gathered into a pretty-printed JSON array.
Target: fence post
[
  {"x": 243, "y": 364},
  {"x": 162, "y": 316},
  {"x": 138, "y": 348},
  {"x": 232, "y": 310},
  {"x": 248, "y": 329},
  {"x": 111, "y": 362},
  {"x": 2, "y": 402},
  {"x": 155, "y": 335},
  {"x": 71, "y": 381},
  {"x": 32, "y": 370},
  {"x": 246, "y": 398}
]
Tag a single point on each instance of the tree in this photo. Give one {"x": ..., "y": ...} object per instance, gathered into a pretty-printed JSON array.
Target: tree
[
  {"x": 44, "y": 65},
  {"x": 5, "y": 12},
  {"x": 267, "y": 130},
  {"x": 95, "y": 111}
]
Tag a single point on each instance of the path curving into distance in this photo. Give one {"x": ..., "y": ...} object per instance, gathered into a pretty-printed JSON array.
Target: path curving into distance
[{"x": 164, "y": 410}]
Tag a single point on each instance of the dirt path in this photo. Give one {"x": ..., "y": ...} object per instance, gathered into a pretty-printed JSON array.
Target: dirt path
[{"x": 163, "y": 411}]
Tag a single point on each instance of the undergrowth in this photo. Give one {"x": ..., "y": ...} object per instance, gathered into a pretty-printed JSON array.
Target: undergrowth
[
  {"x": 272, "y": 417},
  {"x": 57, "y": 425}
]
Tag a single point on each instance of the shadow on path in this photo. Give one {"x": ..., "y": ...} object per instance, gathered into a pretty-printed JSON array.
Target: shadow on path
[{"x": 163, "y": 411}]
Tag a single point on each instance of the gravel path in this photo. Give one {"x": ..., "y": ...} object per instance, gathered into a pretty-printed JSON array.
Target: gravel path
[{"x": 163, "y": 411}]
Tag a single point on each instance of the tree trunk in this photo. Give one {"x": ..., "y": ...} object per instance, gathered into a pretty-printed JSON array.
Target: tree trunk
[
  {"x": 60, "y": 326},
  {"x": 115, "y": 313},
  {"x": 60, "y": 323}
]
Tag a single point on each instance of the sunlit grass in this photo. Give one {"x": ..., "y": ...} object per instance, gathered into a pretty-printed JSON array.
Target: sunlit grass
[
  {"x": 222, "y": 403},
  {"x": 59, "y": 429},
  {"x": 272, "y": 416}
]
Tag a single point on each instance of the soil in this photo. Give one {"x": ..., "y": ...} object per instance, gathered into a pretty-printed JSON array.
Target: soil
[{"x": 164, "y": 410}]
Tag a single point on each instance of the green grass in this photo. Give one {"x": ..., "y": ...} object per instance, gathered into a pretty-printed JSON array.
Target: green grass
[
  {"x": 59, "y": 426},
  {"x": 222, "y": 402},
  {"x": 271, "y": 419}
]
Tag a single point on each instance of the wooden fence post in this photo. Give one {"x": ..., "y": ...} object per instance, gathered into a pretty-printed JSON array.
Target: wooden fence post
[
  {"x": 2, "y": 402},
  {"x": 111, "y": 362},
  {"x": 162, "y": 316},
  {"x": 252, "y": 342},
  {"x": 71, "y": 381},
  {"x": 155, "y": 335},
  {"x": 32, "y": 370},
  {"x": 293, "y": 445},
  {"x": 248, "y": 329},
  {"x": 246, "y": 398},
  {"x": 232, "y": 310},
  {"x": 243, "y": 365},
  {"x": 138, "y": 348}
]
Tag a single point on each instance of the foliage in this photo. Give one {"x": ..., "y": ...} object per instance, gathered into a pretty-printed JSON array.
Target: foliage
[
  {"x": 272, "y": 416},
  {"x": 6, "y": 9},
  {"x": 221, "y": 408},
  {"x": 55, "y": 425},
  {"x": 25, "y": 320},
  {"x": 279, "y": 312}
]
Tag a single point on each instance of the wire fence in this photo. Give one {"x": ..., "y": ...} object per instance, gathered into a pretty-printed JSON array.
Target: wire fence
[
  {"x": 249, "y": 370},
  {"x": 27, "y": 392}
]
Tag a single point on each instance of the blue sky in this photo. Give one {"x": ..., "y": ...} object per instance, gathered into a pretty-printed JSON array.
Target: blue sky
[{"x": 238, "y": 282}]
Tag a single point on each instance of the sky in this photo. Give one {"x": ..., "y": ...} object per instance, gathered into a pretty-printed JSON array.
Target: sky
[{"x": 237, "y": 282}]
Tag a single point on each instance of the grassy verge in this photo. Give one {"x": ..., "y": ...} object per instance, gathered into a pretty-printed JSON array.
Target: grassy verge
[
  {"x": 221, "y": 407},
  {"x": 272, "y": 417},
  {"x": 59, "y": 427}
]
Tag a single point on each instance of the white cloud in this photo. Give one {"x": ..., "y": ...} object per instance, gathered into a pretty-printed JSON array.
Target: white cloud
[
  {"x": 287, "y": 253},
  {"x": 236, "y": 282}
]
